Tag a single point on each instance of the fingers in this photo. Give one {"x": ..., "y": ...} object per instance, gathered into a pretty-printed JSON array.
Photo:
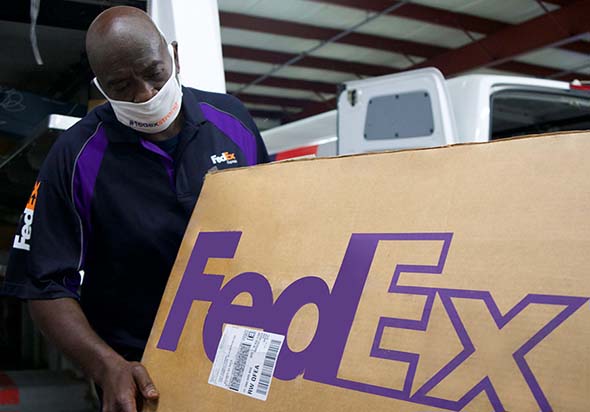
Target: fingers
[
  {"x": 128, "y": 404},
  {"x": 124, "y": 403},
  {"x": 144, "y": 382}
]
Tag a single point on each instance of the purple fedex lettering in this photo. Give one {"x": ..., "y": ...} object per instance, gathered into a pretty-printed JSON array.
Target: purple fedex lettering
[
  {"x": 336, "y": 309},
  {"x": 321, "y": 359},
  {"x": 222, "y": 311},
  {"x": 196, "y": 284}
]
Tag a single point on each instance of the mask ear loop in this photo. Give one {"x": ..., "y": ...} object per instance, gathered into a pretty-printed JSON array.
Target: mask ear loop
[
  {"x": 95, "y": 81},
  {"x": 177, "y": 75},
  {"x": 171, "y": 50}
]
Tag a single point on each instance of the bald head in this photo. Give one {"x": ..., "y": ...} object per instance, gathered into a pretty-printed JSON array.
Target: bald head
[{"x": 123, "y": 45}]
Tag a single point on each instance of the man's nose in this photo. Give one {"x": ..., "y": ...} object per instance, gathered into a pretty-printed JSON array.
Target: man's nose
[{"x": 144, "y": 92}]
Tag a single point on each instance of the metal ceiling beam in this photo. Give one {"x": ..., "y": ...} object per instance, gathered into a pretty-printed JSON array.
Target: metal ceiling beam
[
  {"x": 275, "y": 101},
  {"x": 456, "y": 20},
  {"x": 277, "y": 58},
  {"x": 274, "y": 57},
  {"x": 77, "y": 15},
  {"x": 287, "y": 28},
  {"x": 310, "y": 51},
  {"x": 579, "y": 46},
  {"x": 306, "y": 31},
  {"x": 497, "y": 49},
  {"x": 550, "y": 29},
  {"x": 525, "y": 68},
  {"x": 268, "y": 114},
  {"x": 281, "y": 27},
  {"x": 561, "y": 3},
  {"x": 282, "y": 82},
  {"x": 315, "y": 108},
  {"x": 441, "y": 17}
]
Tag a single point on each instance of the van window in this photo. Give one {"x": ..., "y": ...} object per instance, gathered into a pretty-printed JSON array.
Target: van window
[
  {"x": 399, "y": 116},
  {"x": 522, "y": 112}
]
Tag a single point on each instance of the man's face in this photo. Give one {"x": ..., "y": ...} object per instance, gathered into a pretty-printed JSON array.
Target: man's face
[{"x": 134, "y": 74}]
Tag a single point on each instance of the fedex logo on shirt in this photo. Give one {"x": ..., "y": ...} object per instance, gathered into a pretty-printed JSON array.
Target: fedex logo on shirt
[
  {"x": 225, "y": 157},
  {"x": 492, "y": 345},
  {"x": 21, "y": 241}
]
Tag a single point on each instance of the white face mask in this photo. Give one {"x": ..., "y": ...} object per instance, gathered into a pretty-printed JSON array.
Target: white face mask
[{"x": 154, "y": 115}]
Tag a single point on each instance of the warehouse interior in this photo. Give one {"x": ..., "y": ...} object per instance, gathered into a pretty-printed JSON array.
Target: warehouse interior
[{"x": 285, "y": 60}]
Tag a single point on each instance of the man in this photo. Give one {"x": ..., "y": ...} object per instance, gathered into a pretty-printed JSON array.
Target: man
[{"x": 113, "y": 200}]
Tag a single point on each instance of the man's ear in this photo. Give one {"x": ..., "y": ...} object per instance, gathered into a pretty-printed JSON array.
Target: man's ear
[{"x": 176, "y": 61}]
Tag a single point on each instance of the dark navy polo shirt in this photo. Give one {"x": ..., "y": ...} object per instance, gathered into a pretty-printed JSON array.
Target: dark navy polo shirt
[{"x": 115, "y": 206}]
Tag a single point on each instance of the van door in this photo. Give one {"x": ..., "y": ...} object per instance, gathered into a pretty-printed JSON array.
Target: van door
[{"x": 399, "y": 111}]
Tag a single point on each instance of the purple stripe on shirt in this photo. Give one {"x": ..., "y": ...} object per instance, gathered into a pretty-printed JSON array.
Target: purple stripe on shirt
[
  {"x": 85, "y": 173},
  {"x": 166, "y": 159},
  {"x": 234, "y": 129}
]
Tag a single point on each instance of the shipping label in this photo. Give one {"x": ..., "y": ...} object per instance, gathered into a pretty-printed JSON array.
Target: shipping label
[{"x": 245, "y": 361}]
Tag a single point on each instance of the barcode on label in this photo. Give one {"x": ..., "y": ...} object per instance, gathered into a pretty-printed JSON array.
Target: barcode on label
[
  {"x": 239, "y": 367},
  {"x": 245, "y": 361},
  {"x": 267, "y": 368}
]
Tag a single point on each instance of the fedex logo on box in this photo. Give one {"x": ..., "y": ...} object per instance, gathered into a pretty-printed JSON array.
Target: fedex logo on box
[{"x": 321, "y": 360}]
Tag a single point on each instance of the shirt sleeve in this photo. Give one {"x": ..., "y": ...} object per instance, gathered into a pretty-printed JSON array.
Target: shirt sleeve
[
  {"x": 261, "y": 152},
  {"x": 45, "y": 258},
  {"x": 262, "y": 155}
]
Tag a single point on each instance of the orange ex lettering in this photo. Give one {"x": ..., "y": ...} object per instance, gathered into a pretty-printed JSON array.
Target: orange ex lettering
[
  {"x": 22, "y": 241},
  {"x": 33, "y": 199}
]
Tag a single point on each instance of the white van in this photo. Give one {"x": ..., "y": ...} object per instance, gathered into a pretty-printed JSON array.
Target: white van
[{"x": 420, "y": 108}]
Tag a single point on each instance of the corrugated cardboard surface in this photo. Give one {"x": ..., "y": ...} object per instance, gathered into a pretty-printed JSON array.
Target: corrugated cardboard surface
[{"x": 445, "y": 279}]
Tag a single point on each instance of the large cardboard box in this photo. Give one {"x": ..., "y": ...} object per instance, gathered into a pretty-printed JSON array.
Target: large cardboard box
[{"x": 449, "y": 279}]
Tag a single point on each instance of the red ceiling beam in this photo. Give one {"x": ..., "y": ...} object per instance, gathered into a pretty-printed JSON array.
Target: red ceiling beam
[
  {"x": 561, "y": 3},
  {"x": 269, "y": 114},
  {"x": 287, "y": 28},
  {"x": 577, "y": 46},
  {"x": 525, "y": 68},
  {"x": 273, "y": 57},
  {"x": 461, "y": 21},
  {"x": 512, "y": 41},
  {"x": 456, "y": 20},
  {"x": 273, "y": 26},
  {"x": 505, "y": 44},
  {"x": 306, "y": 31},
  {"x": 339, "y": 65},
  {"x": 274, "y": 101},
  {"x": 315, "y": 108},
  {"x": 282, "y": 82},
  {"x": 571, "y": 77},
  {"x": 509, "y": 42}
]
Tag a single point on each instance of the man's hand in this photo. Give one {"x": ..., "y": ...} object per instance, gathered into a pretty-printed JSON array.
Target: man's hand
[{"x": 125, "y": 386}]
